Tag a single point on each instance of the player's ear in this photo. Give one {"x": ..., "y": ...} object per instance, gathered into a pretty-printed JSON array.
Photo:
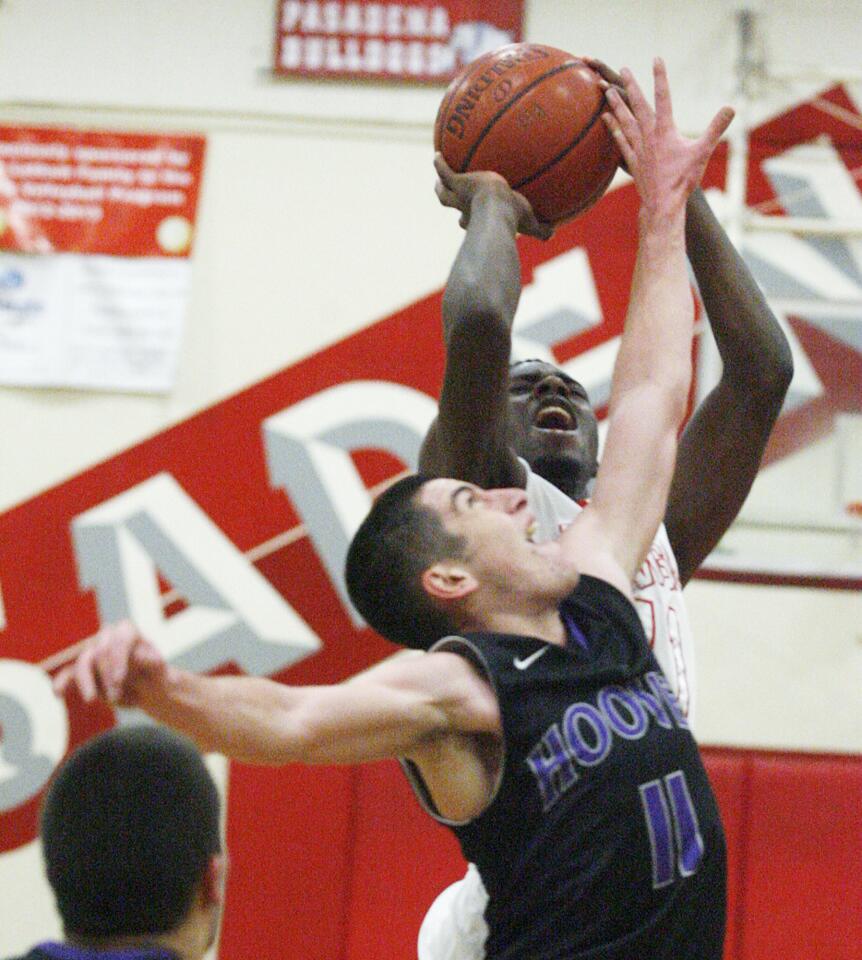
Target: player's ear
[
  {"x": 214, "y": 879},
  {"x": 447, "y": 580}
]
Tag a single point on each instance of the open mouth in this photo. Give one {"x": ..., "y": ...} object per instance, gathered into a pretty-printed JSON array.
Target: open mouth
[{"x": 554, "y": 418}]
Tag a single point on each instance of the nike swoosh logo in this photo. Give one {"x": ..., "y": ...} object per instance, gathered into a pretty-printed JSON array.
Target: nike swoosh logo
[{"x": 521, "y": 663}]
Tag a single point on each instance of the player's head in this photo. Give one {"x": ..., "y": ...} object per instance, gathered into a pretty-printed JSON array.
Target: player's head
[
  {"x": 131, "y": 840},
  {"x": 396, "y": 543},
  {"x": 418, "y": 561},
  {"x": 552, "y": 425}
]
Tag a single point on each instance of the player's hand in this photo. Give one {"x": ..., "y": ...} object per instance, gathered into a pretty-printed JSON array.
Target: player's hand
[
  {"x": 114, "y": 666},
  {"x": 665, "y": 165},
  {"x": 609, "y": 78},
  {"x": 457, "y": 190}
]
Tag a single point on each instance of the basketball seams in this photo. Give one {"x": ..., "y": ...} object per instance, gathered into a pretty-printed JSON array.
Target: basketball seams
[
  {"x": 482, "y": 127},
  {"x": 456, "y": 87},
  {"x": 586, "y": 202},
  {"x": 569, "y": 65},
  {"x": 584, "y": 132}
]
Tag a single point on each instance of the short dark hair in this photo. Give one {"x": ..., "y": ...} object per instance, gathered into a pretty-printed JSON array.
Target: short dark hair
[
  {"x": 396, "y": 543},
  {"x": 129, "y": 825}
]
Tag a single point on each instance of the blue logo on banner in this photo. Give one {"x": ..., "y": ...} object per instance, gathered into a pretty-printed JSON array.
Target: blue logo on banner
[{"x": 11, "y": 280}]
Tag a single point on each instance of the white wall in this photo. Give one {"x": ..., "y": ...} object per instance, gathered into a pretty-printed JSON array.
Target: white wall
[{"x": 303, "y": 177}]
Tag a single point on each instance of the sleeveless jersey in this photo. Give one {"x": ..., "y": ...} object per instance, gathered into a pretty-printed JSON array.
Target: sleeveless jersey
[
  {"x": 51, "y": 950},
  {"x": 603, "y": 838},
  {"x": 454, "y": 927},
  {"x": 657, "y": 589}
]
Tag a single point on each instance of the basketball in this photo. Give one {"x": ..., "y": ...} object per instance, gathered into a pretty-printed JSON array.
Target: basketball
[{"x": 532, "y": 114}]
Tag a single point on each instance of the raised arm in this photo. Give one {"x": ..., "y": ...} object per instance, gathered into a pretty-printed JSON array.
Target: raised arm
[
  {"x": 652, "y": 374},
  {"x": 390, "y": 712},
  {"x": 468, "y": 438},
  {"x": 722, "y": 446}
]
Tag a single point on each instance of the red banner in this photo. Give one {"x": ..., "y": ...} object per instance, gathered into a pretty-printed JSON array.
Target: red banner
[
  {"x": 75, "y": 191},
  {"x": 418, "y": 40}
]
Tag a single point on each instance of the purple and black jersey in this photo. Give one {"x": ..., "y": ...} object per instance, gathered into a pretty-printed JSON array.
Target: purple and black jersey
[
  {"x": 603, "y": 839},
  {"x": 50, "y": 950}
]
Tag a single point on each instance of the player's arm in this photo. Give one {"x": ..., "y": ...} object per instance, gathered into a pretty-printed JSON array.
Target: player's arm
[
  {"x": 652, "y": 374},
  {"x": 723, "y": 443},
  {"x": 468, "y": 438},
  {"x": 390, "y": 713},
  {"x": 722, "y": 446}
]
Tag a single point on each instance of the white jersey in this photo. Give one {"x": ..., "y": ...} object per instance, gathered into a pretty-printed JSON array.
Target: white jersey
[
  {"x": 656, "y": 588},
  {"x": 454, "y": 927}
]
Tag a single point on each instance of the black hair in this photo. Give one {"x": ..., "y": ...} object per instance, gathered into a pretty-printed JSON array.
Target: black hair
[
  {"x": 396, "y": 543},
  {"x": 129, "y": 825}
]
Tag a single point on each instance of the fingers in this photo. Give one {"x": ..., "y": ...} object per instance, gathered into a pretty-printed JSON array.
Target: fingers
[
  {"x": 608, "y": 77},
  {"x": 444, "y": 171},
  {"x": 538, "y": 229},
  {"x": 544, "y": 231},
  {"x": 446, "y": 196},
  {"x": 101, "y": 670},
  {"x": 116, "y": 649},
  {"x": 146, "y": 656},
  {"x": 705, "y": 145},
  {"x": 528, "y": 223},
  {"x": 625, "y": 128},
  {"x": 98, "y": 666},
  {"x": 621, "y": 141},
  {"x": 62, "y": 679},
  {"x": 447, "y": 187},
  {"x": 718, "y": 125},
  {"x": 83, "y": 673},
  {"x": 443, "y": 188},
  {"x": 637, "y": 102},
  {"x": 661, "y": 90},
  {"x": 666, "y": 165},
  {"x": 608, "y": 74}
]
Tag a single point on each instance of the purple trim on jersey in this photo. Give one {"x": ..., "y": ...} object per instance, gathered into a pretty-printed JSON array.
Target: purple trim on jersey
[
  {"x": 66, "y": 951},
  {"x": 573, "y": 630}
]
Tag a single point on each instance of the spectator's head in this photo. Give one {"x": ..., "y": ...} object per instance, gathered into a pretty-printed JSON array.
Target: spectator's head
[{"x": 131, "y": 839}]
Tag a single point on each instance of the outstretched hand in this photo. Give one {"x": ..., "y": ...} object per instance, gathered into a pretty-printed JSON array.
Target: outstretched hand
[
  {"x": 457, "y": 190},
  {"x": 665, "y": 165},
  {"x": 113, "y": 666}
]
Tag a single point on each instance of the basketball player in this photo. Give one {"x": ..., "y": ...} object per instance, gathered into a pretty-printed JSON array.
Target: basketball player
[
  {"x": 531, "y": 425},
  {"x": 132, "y": 848},
  {"x": 545, "y": 735}
]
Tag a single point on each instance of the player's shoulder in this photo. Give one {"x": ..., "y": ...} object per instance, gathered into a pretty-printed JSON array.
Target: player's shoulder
[
  {"x": 447, "y": 675},
  {"x": 413, "y": 668},
  {"x": 34, "y": 954},
  {"x": 597, "y": 603}
]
